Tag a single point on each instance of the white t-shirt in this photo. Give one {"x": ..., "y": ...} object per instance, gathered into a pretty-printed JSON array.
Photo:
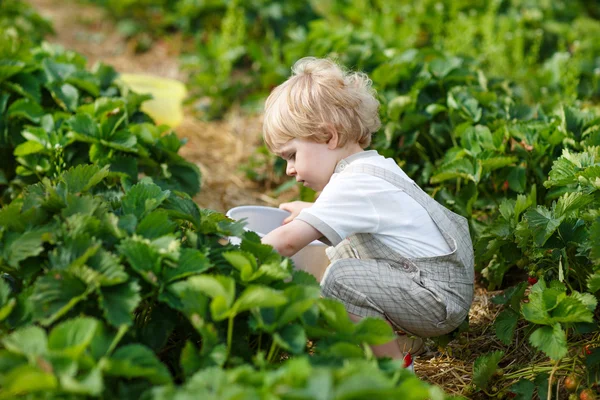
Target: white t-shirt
[{"x": 355, "y": 202}]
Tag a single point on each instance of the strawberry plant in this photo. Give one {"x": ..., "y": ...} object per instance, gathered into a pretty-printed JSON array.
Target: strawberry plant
[
  {"x": 104, "y": 282},
  {"x": 57, "y": 114}
]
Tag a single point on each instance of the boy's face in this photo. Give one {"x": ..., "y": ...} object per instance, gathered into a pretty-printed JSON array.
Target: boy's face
[{"x": 310, "y": 162}]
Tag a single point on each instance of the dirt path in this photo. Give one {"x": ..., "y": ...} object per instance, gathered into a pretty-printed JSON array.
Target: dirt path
[{"x": 218, "y": 148}]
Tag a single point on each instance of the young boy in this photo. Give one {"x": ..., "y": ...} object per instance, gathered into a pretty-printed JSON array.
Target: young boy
[{"x": 397, "y": 254}]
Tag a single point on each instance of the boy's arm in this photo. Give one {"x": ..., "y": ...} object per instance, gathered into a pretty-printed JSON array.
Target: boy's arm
[{"x": 288, "y": 239}]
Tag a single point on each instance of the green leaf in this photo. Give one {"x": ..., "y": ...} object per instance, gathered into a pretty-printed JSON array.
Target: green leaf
[
  {"x": 74, "y": 252},
  {"x": 24, "y": 108},
  {"x": 523, "y": 389},
  {"x": 65, "y": 95},
  {"x": 30, "y": 341},
  {"x": 54, "y": 295},
  {"x": 137, "y": 361},
  {"x": 84, "y": 125},
  {"x": 259, "y": 297},
  {"x": 27, "y": 379},
  {"x": 542, "y": 224},
  {"x": 336, "y": 316},
  {"x": 83, "y": 177},
  {"x": 27, "y": 148},
  {"x": 245, "y": 263},
  {"x": 572, "y": 310},
  {"x": 142, "y": 257},
  {"x": 220, "y": 288},
  {"x": 593, "y": 282},
  {"x": 90, "y": 384},
  {"x": 9, "y": 68},
  {"x": 505, "y": 325},
  {"x": 118, "y": 302},
  {"x": 181, "y": 207},
  {"x": 155, "y": 225},
  {"x": 18, "y": 247},
  {"x": 190, "y": 359},
  {"x": 73, "y": 336},
  {"x": 7, "y": 304},
  {"x": 109, "y": 270},
  {"x": 292, "y": 338},
  {"x": 373, "y": 331},
  {"x": 517, "y": 179},
  {"x": 552, "y": 340},
  {"x": 142, "y": 198},
  {"x": 484, "y": 367},
  {"x": 461, "y": 168},
  {"x": 191, "y": 262}
]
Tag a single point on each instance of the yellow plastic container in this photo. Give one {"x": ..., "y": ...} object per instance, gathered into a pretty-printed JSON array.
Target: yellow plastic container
[{"x": 166, "y": 106}]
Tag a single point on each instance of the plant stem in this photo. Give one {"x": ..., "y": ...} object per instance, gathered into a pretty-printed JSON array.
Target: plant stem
[
  {"x": 229, "y": 336},
  {"x": 550, "y": 379},
  {"x": 271, "y": 351}
]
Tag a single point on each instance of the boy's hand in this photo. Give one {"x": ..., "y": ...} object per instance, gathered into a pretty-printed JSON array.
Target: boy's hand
[{"x": 294, "y": 208}]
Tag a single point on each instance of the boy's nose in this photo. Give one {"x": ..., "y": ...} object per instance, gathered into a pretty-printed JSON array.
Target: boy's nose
[{"x": 290, "y": 170}]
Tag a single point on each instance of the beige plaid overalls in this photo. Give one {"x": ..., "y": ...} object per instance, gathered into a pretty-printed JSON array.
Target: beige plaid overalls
[{"x": 426, "y": 296}]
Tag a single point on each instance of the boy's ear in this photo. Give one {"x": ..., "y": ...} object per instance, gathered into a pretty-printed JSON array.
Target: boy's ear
[{"x": 334, "y": 138}]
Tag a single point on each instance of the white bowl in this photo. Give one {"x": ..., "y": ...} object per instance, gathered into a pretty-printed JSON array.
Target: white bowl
[{"x": 263, "y": 220}]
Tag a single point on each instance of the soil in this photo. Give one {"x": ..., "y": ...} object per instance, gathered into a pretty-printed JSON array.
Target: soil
[{"x": 218, "y": 148}]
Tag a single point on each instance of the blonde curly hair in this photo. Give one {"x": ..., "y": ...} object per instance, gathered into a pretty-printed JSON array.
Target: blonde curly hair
[{"x": 319, "y": 96}]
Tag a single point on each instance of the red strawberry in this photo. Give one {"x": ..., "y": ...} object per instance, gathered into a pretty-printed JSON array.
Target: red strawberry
[
  {"x": 407, "y": 360},
  {"x": 532, "y": 280}
]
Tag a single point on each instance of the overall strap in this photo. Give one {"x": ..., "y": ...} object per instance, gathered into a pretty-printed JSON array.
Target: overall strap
[{"x": 454, "y": 228}]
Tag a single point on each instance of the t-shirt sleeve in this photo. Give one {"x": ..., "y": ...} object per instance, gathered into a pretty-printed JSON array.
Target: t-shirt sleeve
[{"x": 343, "y": 208}]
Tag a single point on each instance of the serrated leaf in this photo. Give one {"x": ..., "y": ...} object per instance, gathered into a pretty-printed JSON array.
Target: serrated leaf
[
  {"x": 73, "y": 336},
  {"x": 259, "y": 297},
  {"x": 142, "y": 257},
  {"x": 245, "y": 263},
  {"x": 19, "y": 247},
  {"x": 137, "y": 361},
  {"x": 142, "y": 198},
  {"x": 484, "y": 367},
  {"x": 461, "y": 168},
  {"x": 91, "y": 383},
  {"x": 54, "y": 295},
  {"x": 181, "y": 207},
  {"x": 505, "y": 325},
  {"x": 552, "y": 340},
  {"x": 593, "y": 282},
  {"x": 27, "y": 379},
  {"x": 523, "y": 389},
  {"x": 336, "y": 316},
  {"x": 220, "y": 288},
  {"x": 191, "y": 262},
  {"x": 542, "y": 223},
  {"x": 9, "y": 68},
  {"x": 30, "y": 341},
  {"x": 110, "y": 271},
  {"x": 83, "y": 177},
  {"x": 292, "y": 338},
  {"x": 190, "y": 359},
  {"x": 73, "y": 252},
  {"x": 27, "y": 109},
  {"x": 572, "y": 310},
  {"x": 84, "y": 125},
  {"x": 28, "y": 148},
  {"x": 155, "y": 225},
  {"x": 373, "y": 331},
  {"x": 118, "y": 302},
  {"x": 65, "y": 95}
]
